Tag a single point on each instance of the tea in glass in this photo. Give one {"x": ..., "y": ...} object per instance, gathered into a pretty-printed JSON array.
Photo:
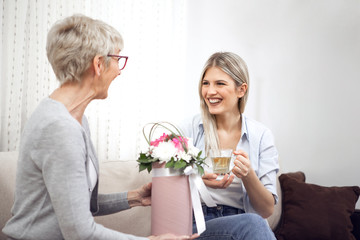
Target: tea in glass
[{"x": 221, "y": 160}]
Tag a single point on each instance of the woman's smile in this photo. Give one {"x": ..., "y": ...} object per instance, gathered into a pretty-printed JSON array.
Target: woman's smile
[
  {"x": 219, "y": 91},
  {"x": 214, "y": 101}
]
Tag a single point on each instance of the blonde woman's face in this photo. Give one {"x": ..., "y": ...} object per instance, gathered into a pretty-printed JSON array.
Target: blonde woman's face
[{"x": 220, "y": 92}]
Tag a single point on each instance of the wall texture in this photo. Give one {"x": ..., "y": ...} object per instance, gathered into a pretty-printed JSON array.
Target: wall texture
[{"x": 304, "y": 59}]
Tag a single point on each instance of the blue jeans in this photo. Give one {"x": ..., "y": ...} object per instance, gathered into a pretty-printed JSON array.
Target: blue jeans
[{"x": 225, "y": 222}]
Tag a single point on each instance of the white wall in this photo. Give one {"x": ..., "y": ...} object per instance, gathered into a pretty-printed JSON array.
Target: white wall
[{"x": 304, "y": 62}]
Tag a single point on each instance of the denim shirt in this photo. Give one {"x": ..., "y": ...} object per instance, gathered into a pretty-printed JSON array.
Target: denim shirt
[{"x": 257, "y": 140}]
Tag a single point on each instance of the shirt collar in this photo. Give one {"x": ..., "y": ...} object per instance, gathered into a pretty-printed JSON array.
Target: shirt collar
[
  {"x": 201, "y": 124},
  {"x": 244, "y": 130}
]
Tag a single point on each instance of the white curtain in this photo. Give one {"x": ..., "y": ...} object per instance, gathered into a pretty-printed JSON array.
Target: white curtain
[{"x": 149, "y": 88}]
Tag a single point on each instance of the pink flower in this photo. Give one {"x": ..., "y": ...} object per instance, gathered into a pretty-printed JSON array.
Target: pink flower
[
  {"x": 178, "y": 143},
  {"x": 156, "y": 142}
]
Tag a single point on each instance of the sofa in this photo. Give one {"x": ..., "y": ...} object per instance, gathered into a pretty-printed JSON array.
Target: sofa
[{"x": 290, "y": 220}]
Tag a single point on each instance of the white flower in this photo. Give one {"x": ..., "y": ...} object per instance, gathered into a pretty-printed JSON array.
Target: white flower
[
  {"x": 183, "y": 155},
  {"x": 192, "y": 150},
  {"x": 164, "y": 151}
]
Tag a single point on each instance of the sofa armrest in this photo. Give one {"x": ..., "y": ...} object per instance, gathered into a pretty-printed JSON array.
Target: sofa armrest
[{"x": 274, "y": 219}]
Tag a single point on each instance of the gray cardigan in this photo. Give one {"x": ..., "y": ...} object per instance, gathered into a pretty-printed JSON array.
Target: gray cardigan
[{"x": 53, "y": 196}]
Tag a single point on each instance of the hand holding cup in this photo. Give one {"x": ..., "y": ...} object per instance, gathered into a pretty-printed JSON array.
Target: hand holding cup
[{"x": 242, "y": 165}]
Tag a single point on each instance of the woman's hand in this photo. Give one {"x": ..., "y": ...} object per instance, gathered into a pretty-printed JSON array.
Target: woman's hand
[
  {"x": 210, "y": 180},
  {"x": 261, "y": 198},
  {"x": 242, "y": 164},
  {"x": 169, "y": 236},
  {"x": 140, "y": 196}
]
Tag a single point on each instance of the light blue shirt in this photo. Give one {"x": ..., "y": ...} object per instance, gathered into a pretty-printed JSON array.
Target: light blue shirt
[{"x": 258, "y": 141}]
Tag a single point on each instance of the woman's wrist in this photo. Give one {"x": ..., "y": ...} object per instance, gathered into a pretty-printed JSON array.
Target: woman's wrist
[
  {"x": 250, "y": 176},
  {"x": 133, "y": 198}
]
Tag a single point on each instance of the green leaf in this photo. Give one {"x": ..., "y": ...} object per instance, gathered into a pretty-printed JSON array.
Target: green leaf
[
  {"x": 149, "y": 168},
  {"x": 143, "y": 156},
  {"x": 180, "y": 164},
  {"x": 170, "y": 163},
  {"x": 147, "y": 160},
  {"x": 142, "y": 160},
  {"x": 200, "y": 170},
  {"x": 142, "y": 167}
]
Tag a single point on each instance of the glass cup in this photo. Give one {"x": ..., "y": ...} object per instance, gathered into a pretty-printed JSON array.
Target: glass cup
[{"x": 221, "y": 160}]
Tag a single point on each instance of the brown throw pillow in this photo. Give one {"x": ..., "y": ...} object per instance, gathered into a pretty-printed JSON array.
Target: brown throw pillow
[
  {"x": 300, "y": 176},
  {"x": 311, "y": 211}
]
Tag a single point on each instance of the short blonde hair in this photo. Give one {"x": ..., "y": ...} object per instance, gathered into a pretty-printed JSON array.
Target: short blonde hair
[
  {"x": 73, "y": 42},
  {"x": 236, "y": 68}
]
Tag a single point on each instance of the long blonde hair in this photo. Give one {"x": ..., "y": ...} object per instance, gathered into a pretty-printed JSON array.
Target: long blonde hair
[{"x": 236, "y": 68}]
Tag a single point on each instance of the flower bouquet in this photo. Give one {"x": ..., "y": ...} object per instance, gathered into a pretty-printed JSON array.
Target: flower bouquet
[
  {"x": 174, "y": 149},
  {"x": 172, "y": 158}
]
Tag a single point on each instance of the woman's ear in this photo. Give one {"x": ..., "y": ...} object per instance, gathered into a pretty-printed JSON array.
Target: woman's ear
[
  {"x": 241, "y": 90},
  {"x": 97, "y": 64}
]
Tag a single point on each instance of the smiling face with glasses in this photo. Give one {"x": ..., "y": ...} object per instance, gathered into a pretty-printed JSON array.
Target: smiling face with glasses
[
  {"x": 108, "y": 74},
  {"x": 122, "y": 60}
]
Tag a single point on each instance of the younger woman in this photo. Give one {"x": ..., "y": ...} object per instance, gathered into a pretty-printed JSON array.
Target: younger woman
[{"x": 247, "y": 196}]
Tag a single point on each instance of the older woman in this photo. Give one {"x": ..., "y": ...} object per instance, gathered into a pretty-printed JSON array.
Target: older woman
[
  {"x": 57, "y": 180},
  {"x": 248, "y": 195}
]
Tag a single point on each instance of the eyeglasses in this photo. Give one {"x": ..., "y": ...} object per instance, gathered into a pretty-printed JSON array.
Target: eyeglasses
[{"x": 122, "y": 60}]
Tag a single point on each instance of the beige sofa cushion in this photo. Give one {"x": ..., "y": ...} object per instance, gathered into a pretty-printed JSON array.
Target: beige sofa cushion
[{"x": 119, "y": 176}]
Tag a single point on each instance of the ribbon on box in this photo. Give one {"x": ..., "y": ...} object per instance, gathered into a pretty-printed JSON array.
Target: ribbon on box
[{"x": 196, "y": 186}]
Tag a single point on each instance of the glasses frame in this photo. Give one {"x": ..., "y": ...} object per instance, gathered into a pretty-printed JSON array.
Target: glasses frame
[{"x": 119, "y": 57}]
